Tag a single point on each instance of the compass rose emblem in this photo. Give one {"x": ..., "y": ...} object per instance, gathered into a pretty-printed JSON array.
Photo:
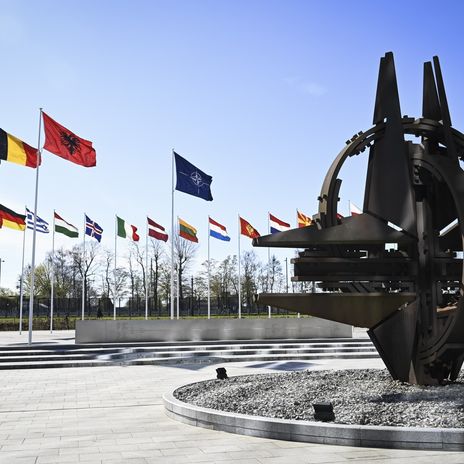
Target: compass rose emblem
[{"x": 196, "y": 178}]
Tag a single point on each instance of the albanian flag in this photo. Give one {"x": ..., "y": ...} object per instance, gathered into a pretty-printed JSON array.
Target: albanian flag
[{"x": 67, "y": 145}]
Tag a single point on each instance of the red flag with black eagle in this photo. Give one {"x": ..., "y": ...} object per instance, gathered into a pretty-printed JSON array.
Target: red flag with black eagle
[{"x": 67, "y": 145}]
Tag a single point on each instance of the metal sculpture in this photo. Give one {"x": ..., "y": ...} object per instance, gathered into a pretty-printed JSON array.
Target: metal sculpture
[{"x": 410, "y": 298}]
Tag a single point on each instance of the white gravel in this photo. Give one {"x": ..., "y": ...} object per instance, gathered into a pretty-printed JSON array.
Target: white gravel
[{"x": 366, "y": 397}]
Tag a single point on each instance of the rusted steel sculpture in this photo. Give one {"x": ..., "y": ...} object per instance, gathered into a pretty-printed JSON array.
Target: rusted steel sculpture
[{"x": 410, "y": 298}]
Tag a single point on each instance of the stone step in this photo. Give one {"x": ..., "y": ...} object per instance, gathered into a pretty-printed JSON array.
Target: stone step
[
  {"x": 47, "y": 356},
  {"x": 184, "y": 360}
]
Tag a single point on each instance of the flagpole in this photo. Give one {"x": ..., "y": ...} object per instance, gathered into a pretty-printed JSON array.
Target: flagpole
[
  {"x": 146, "y": 269},
  {"x": 209, "y": 274},
  {"x": 52, "y": 275},
  {"x": 83, "y": 271},
  {"x": 268, "y": 261},
  {"x": 172, "y": 236},
  {"x": 34, "y": 232},
  {"x": 21, "y": 286},
  {"x": 239, "y": 277},
  {"x": 115, "y": 259}
]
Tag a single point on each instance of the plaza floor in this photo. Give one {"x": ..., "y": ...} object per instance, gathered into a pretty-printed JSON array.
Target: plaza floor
[{"x": 115, "y": 415}]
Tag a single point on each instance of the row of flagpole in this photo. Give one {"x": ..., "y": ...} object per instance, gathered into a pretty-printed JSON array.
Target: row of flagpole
[{"x": 88, "y": 159}]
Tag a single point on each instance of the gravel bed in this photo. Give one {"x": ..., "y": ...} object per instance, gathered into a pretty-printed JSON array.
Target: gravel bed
[{"x": 361, "y": 397}]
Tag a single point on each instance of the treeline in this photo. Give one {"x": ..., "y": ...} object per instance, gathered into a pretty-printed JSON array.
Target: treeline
[{"x": 100, "y": 278}]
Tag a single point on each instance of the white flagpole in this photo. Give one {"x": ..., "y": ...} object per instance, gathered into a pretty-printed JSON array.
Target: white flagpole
[
  {"x": 34, "y": 232},
  {"x": 83, "y": 271},
  {"x": 146, "y": 269},
  {"x": 209, "y": 275},
  {"x": 178, "y": 288},
  {"x": 239, "y": 277},
  {"x": 21, "y": 286},
  {"x": 268, "y": 262},
  {"x": 172, "y": 237},
  {"x": 115, "y": 265},
  {"x": 52, "y": 275}
]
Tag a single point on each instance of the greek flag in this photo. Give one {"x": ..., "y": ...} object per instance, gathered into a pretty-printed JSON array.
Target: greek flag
[{"x": 40, "y": 225}]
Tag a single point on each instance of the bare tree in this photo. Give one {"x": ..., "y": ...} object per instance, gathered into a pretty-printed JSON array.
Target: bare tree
[{"x": 184, "y": 254}]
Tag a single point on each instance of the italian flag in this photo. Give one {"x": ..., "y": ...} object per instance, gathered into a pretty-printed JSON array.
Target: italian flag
[
  {"x": 125, "y": 230},
  {"x": 63, "y": 227}
]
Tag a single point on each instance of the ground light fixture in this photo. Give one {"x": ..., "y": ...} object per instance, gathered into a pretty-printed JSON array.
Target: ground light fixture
[
  {"x": 323, "y": 411},
  {"x": 221, "y": 373}
]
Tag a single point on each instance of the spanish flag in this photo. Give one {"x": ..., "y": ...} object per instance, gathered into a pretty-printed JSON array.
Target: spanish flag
[
  {"x": 10, "y": 219},
  {"x": 16, "y": 151},
  {"x": 303, "y": 220},
  {"x": 187, "y": 231}
]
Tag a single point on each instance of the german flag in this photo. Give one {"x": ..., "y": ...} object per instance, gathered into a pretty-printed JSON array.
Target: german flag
[
  {"x": 8, "y": 218},
  {"x": 16, "y": 151},
  {"x": 187, "y": 231}
]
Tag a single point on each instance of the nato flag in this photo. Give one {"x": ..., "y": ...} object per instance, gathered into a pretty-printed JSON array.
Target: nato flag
[{"x": 191, "y": 180}]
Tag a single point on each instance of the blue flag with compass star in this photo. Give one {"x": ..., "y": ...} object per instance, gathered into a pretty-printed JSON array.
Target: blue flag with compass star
[{"x": 192, "y": 180}]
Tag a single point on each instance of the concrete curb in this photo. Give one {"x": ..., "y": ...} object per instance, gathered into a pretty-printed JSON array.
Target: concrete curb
[{"x": 315, "y": 432}]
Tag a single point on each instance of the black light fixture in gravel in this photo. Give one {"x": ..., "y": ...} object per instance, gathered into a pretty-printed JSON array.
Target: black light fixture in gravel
[
  {"x": 221, "y": 373},
  {"x": 323, "y": 411}
]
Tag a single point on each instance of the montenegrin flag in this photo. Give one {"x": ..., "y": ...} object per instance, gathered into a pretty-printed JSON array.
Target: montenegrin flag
[
  {"x": 156, "y": 231},
  {"x": 16, "y": 151},
  {"x": 12, "y": 220},
  {"x": 247, "y": 229},
  {"x": 303, "y": 220},
  {"x": 218, "y": 231},
  {"x": 63, "y": 227},
  {"x": 276, "y": 225},
  {"x": 64, "y": 143},
  {"x": 187, "y": 231},
  {"x": 125, "y": 230}
]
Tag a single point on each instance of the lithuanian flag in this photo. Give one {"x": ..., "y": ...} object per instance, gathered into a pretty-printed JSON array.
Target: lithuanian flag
[
  {"x": 187, "y": 231},
  {"x": 16, "y": 151},
  {"x": 10, "y": 219}
]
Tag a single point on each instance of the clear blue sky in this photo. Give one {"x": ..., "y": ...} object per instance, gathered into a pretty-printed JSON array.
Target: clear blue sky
[{"x": 259, "y": 94}]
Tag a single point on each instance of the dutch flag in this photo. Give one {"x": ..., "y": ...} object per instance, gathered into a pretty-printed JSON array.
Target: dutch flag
[
  {"x": 276, "y": 225},
  {"x": 218, "y": 231}
]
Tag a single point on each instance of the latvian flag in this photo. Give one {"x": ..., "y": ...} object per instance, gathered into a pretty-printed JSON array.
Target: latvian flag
[
  {"x": 218, "y": 231},
  {"x": 276, "y": 225},
  {"x": 156, "y": 231}
]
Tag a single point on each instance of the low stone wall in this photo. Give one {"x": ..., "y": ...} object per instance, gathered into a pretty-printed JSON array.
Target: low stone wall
[
  {"x": 121, "y": 331},
  {"x": 316, "y": 432}
]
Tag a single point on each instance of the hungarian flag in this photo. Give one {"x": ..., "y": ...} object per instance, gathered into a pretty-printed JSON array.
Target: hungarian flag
[
  {"x": 17, "y": 151},
  {"x": 125, "y": 230},
  {"x": 247, "y": 229},
  {"x": 12, "y": 220},
  {"x": 187, "y": 231},
  {"x": 156, "y": 231},
  {"x": 63, "y": 227},
  {"x": 303, "y": 220},
  {"x": 67, "y": 145}
]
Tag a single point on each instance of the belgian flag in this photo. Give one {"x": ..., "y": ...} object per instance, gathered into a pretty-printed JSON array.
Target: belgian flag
[
  {"x": 12, "y": 220},
  {"x": 16, "y": 151}
]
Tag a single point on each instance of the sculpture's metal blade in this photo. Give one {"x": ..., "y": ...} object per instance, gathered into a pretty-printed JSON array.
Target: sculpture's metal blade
[
  {"x": 388, "y": 192},
  {"x": 445, "y": 114},
  {"x": 358, "y": 309},
  {"x": 430, "y": 102},
  {"x": 394, "y": 338},
  {"x": 359, "y": 229}
]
